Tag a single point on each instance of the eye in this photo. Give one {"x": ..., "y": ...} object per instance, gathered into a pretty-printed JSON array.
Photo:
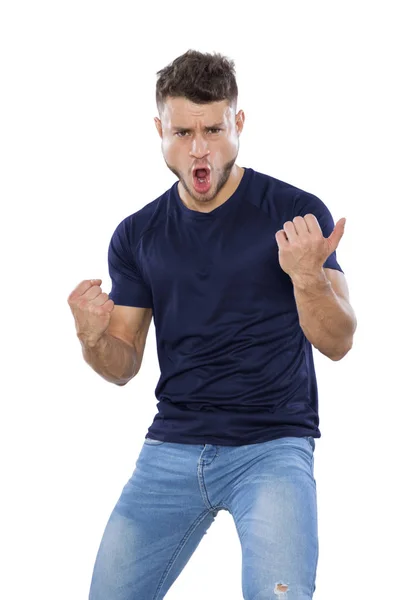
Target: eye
[{"x": 182, "y": 134}]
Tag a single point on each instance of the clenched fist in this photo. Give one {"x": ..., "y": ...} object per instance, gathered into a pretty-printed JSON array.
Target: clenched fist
[{"x": 91, "y": 309}]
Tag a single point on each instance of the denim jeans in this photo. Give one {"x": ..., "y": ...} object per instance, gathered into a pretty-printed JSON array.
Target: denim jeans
[{"x": 174, "y": 495}]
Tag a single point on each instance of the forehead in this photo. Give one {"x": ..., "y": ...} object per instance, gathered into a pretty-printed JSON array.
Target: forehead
[{"x": 184, "y": 112}]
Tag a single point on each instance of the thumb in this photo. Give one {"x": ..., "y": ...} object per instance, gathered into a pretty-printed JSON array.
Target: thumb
[{"x": 335, "y": 237}]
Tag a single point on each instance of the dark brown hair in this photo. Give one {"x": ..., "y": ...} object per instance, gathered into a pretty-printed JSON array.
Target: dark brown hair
[{"x": 199, "y": 77}]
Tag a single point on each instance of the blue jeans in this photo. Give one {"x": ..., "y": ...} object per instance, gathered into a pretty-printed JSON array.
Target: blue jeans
[{"x": 174, "y": 495}]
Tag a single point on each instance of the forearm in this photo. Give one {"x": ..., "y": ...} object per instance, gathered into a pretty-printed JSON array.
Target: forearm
[
  {"x": 327, "y": 320},
  {"x": 112, "y": 358}
]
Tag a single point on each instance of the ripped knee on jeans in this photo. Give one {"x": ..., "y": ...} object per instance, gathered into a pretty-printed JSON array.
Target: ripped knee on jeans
[{"x": 280, "y": 590}]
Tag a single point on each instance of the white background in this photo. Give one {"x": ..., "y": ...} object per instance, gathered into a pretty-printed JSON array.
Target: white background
[{"x": 328, "y": 92}]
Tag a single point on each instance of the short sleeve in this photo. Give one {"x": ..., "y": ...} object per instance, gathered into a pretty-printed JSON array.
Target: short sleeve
[
  {"x": 128, "y": 285},
  {"x": 309, "y": 204}
]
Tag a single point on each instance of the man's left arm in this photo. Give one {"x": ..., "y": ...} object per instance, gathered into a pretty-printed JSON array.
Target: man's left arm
[{"x": 325, "y": 314}]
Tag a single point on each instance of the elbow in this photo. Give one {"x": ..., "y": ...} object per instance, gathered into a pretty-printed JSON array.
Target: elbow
[
  {"x": 343, "y": 352},
  {"x": 337, "y": 357},
  {"x": 125, "y": 381}
]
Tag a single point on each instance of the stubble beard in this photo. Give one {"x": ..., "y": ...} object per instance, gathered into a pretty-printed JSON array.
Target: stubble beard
[{"x": 225, "y": 173}]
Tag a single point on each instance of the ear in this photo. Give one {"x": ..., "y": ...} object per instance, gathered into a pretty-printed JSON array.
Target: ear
[
  {"x": 159, "y": 126},
  {"x": 239, "y": 121}
]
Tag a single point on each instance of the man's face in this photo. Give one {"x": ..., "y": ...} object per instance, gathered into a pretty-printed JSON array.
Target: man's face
[{"x": 200, "y": 136}]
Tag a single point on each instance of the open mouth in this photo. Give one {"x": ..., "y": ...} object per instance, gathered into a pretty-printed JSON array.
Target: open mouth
[
  {"x": 201, "y": 174},
  {"x": 201, "y": 180}
]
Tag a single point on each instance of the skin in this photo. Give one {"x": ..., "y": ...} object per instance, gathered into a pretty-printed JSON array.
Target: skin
[{"x": 217, "y": 148}]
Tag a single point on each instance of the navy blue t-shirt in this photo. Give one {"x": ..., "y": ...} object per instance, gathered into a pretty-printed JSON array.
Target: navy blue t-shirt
[{"x": 236, "y": 367}]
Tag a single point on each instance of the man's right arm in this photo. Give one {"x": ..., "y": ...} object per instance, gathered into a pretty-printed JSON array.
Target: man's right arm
[{"x": 112, "y": 336}]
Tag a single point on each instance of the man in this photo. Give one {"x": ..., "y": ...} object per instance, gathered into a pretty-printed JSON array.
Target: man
[{"x": 240, "y": 273}]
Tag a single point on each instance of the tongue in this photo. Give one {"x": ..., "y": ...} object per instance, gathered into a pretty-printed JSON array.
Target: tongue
[{"x": 201, "y": 173}]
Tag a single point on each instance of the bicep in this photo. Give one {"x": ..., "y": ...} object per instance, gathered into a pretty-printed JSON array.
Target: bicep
[{"x": 129, "y": 289}]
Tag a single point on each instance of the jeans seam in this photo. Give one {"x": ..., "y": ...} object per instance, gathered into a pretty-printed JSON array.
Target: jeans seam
[
  {"x": 179, "y": 548},
  {"x": 316, "y": 568}
]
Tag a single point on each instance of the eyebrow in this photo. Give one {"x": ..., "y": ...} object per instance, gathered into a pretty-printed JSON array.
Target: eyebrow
[{"x": 215, "y": 126}]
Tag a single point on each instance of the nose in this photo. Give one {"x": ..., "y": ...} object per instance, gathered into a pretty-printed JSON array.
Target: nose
[{"x": 199, "y": 147}]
